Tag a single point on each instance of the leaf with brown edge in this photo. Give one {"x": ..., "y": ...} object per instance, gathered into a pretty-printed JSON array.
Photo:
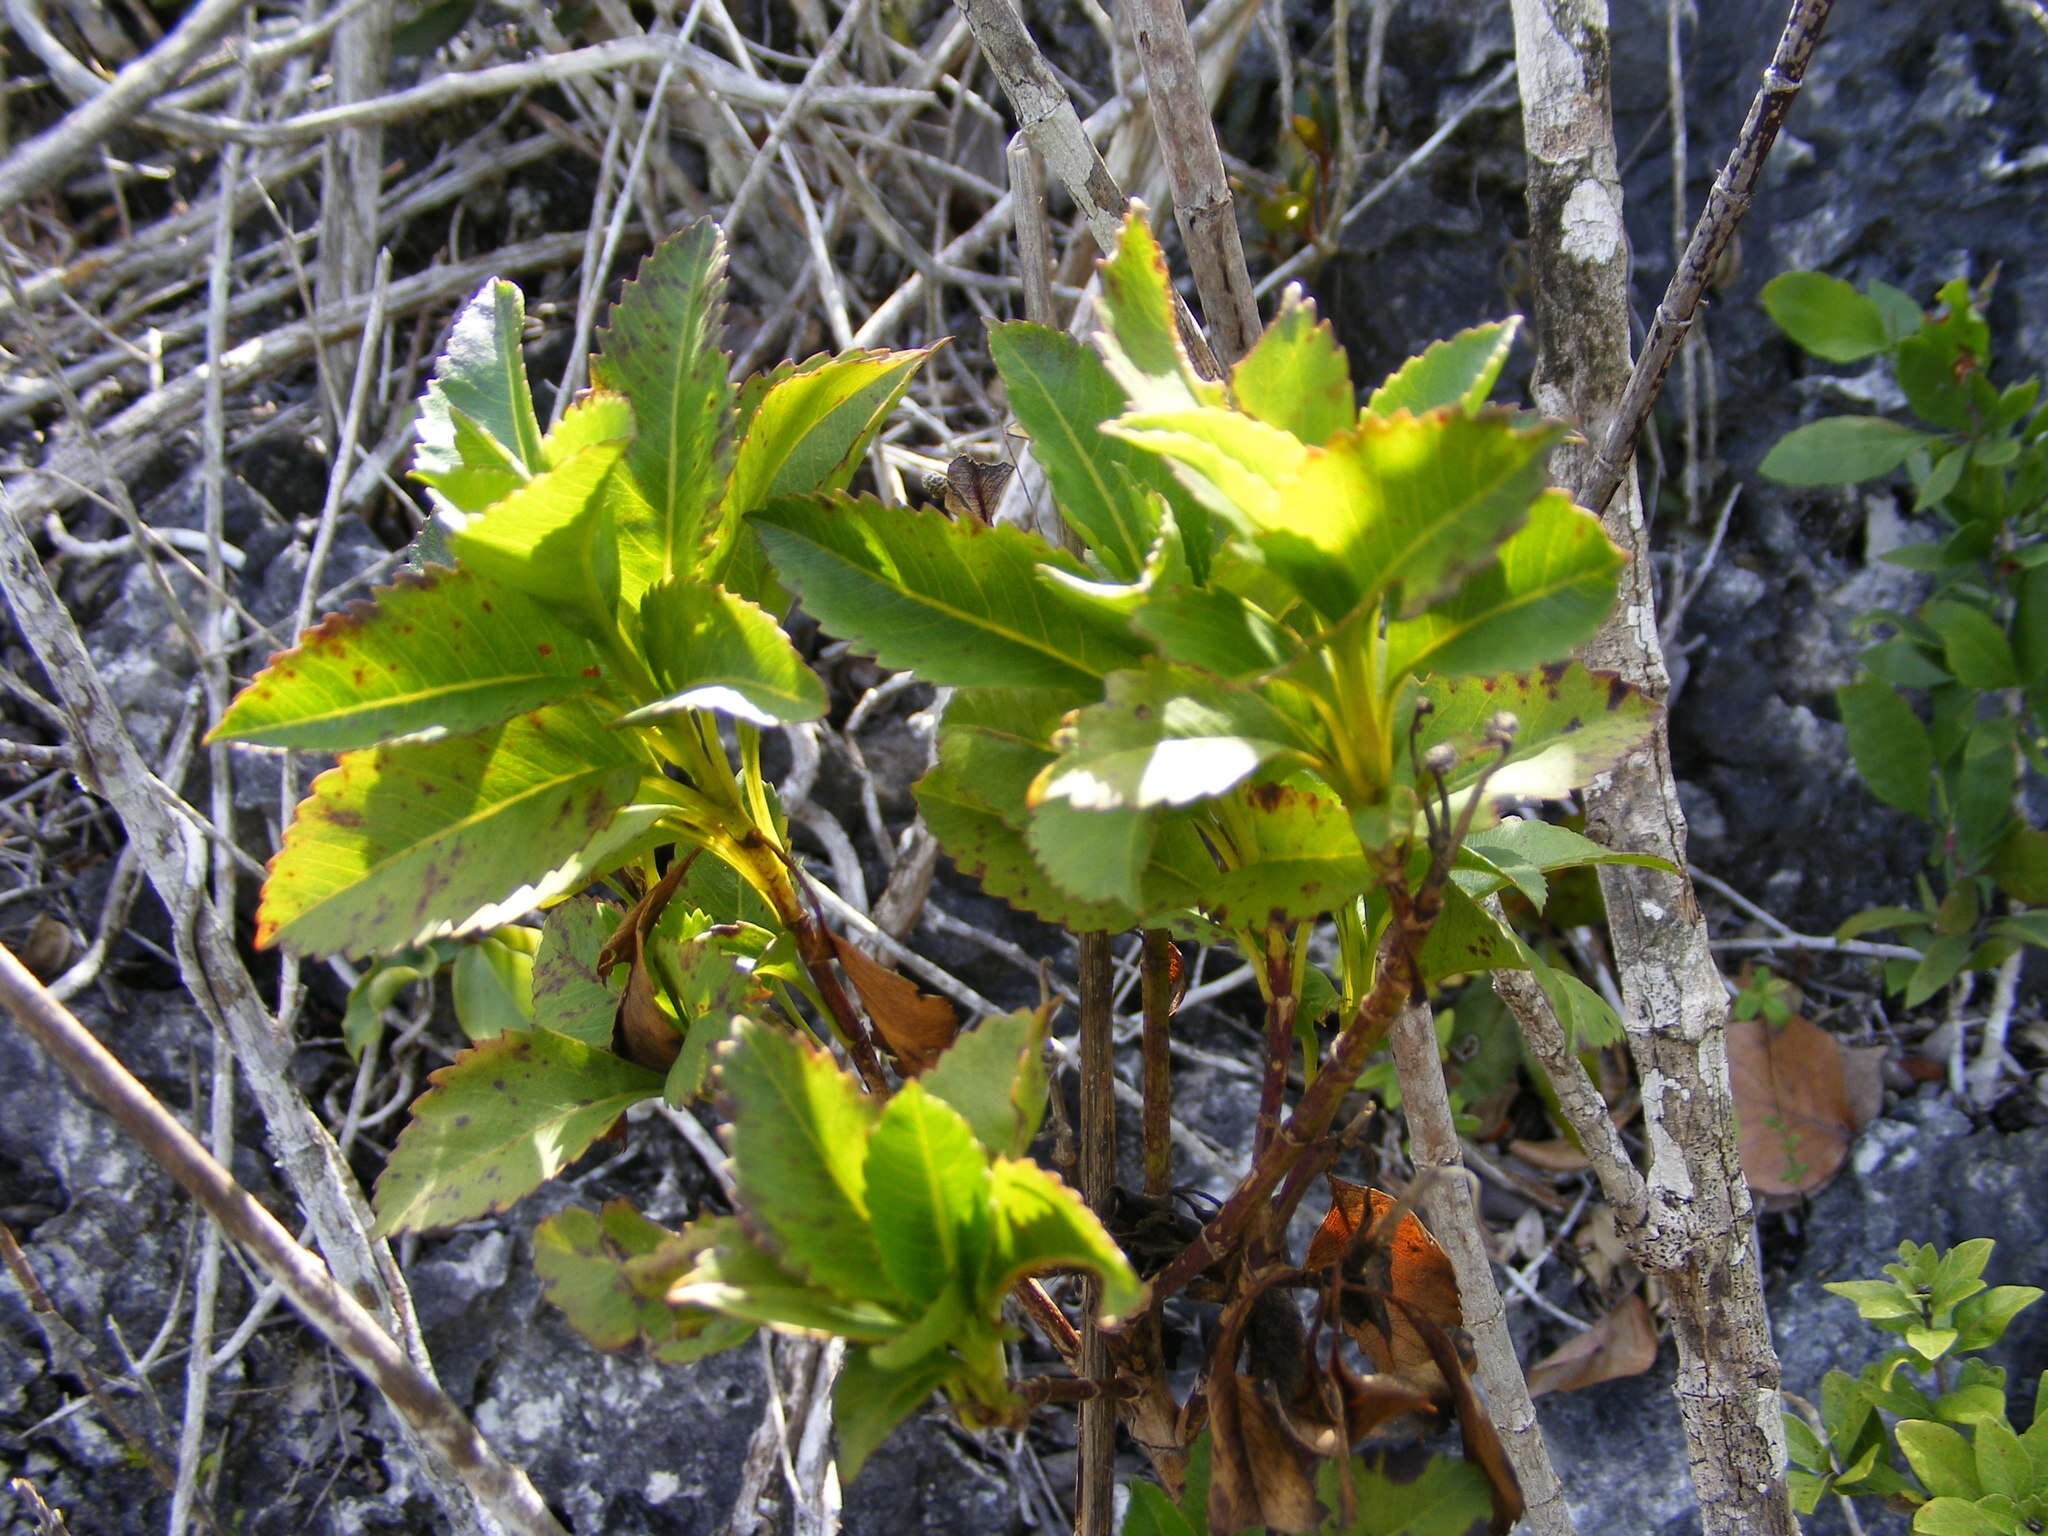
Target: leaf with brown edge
[
  {"x": 1386, "y": 1263},
  {"x": 498, "y": 1122},
  {"x": 1791, "y": 1104},
  {"x": 1623, "y": 1343},
  {"x": 916, "y": 1026}
]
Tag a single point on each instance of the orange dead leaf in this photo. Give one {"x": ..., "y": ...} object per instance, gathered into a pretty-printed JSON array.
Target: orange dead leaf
[
  {"x": 1791, "y": 1102},
  {"x": 1623, "y": 1343},
  {"x": 1405, "y": 1264},
  {"x": 914, "y": 1025}
]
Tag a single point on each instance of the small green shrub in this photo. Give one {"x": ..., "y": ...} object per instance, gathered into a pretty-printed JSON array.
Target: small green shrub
[
  {"x": 1942, "y": 1447},
  {"x": 1976, "y": 651}
]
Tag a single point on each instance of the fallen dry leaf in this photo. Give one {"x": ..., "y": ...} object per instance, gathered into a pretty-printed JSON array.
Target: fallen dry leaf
[
  {"x": 914, "y": 1025},
  {"x": 1623, "y": 1343},
  {"x": 1791, "y": 1104}
]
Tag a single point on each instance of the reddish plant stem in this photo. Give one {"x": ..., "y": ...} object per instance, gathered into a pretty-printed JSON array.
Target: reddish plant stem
[
  {"x": 1280, "y": 1008},
  {"x": 1318, "y": 1104},
  {"x": 1072, "y": 1389},
  {"x": 1157, "y": 1137}
]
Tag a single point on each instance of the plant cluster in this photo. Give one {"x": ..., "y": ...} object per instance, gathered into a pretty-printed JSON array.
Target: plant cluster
[
  {"x": 1976, "y": 650},
  {"x": 1943, "y": 1447},
  {"x": 1300, "y": 663}
]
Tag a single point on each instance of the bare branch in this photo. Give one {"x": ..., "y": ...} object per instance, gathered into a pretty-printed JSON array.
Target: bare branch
[{"x": 312, "y": 1289}]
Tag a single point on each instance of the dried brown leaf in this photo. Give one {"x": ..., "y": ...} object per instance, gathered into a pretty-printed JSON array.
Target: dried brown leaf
[
  {"x": 1791, "y": 1102},
  {"x": 1623, "y": 1343},
  {"x": 915, "y": 1026}
]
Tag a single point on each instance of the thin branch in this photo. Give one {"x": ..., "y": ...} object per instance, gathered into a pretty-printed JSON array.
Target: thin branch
[
  {"x": 1454, "y": 1217},
  {"x": 498, "y": 1486},
  {"x": 1202, "y": 203},
  {"x": 1726, "y": 204}
]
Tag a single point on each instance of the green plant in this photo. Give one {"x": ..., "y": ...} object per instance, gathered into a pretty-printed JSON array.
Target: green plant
[
  {"x": 1305, "y": 656},
  {"x": 1977, "y": 649},
  {"x": 1765, "y": 995},
  {"x": 1943, "y": 1448}
]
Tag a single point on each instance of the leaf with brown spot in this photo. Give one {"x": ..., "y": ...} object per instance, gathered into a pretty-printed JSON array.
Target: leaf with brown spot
[
  {"x": 498, "y": 1122},
  {"x": 916, "y": 1026},
  {"x": 1623, "y": 1343},
  {"x": 1791, "y": 1104}
]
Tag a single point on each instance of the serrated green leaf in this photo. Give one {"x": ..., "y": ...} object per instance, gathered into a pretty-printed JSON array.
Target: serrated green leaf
[
  {"x": 1459, "y": 371},
  {"x": 1217, "y": 631},
  {"x": 660, "y": 349},
  {"x": 1296, "y": 377},
  {"x": 868, "y": 1402},
  {"x": 1403, "y": 502},
  {"x": 1447, "y": 1497},
  {"x": 713, "y": 650},
  {"x": 552, "y": 538},
  {"x": 398, "y": 845},
  {"x": 1295, "y": 856},
  {"x": 1571, "y": 725},
  {"x": 1232, "y": 464},
  {"x": 808, "y": 425},
  {"x": 479, "y": 474},
  {"x": 1139, "y": 342},
  {"x": 928, "y": 1187},
  {"x": 799, "y": 1146},
  {"x": 1826, "y": 316},
  {"x": 1840, "y": 450},
  {"x": 608, "y": 1274},
  {"x": 736, "y": 1276},
  {"x": 958, "y": 601},
  {"x": 498, "y": 1122},
  {"x": 1167, "y": 736},
  {"x": 1097, "y": 855},
  {"x": 476, "y": 426},
  {"x": 1889, "y": 744},
  {"x": 1061, "y": 394},
  {"x": 1549, "y": 847},
  {"x": 1041, "y": 1224},
  {"x": 568, "y": 995},
  {"x": 438, "y": 653},
  {"x": 1546, "y": 591},
  {"x": 994, "y": 1075},
  {"x": 993, "y": 851}
]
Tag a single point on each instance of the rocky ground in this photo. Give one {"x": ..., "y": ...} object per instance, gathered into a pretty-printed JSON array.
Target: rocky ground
[{"x": 1918, "y": 151}]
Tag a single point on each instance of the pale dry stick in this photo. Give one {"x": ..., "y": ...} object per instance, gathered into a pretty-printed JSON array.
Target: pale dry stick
[
  {"x": 983, "y": 233},
  {"x": 43, "y": 161},
  {"x": 359, "y": 64},
  {"x": 1034, "y": 234},
  {"x": 1697, "y": 1235},
  {"x": 590, "y": 280},
  {"x": 112, "y": 768},
  {"x": 136, "y": 434},
  {"x": 1454, "y": 1218},
  {"x": 1726, "y": 203},
  {"x": 707, "y": 72},
  {"x": 1311, "y": 255},
  {"x": 1202, "y": 201},
  {"x": 597, "y": 272},
  {"x": 325, "y": 1302},
  {"x": 792, "y": 114},
  {"x": 1984, "y": 1072},
  {"x": 1689, "y": 357},
  {"x": 213, "y": 673}
]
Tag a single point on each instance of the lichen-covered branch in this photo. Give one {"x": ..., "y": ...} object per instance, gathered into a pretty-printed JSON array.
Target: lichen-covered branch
[{"x": 1697, "y": 1231}]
